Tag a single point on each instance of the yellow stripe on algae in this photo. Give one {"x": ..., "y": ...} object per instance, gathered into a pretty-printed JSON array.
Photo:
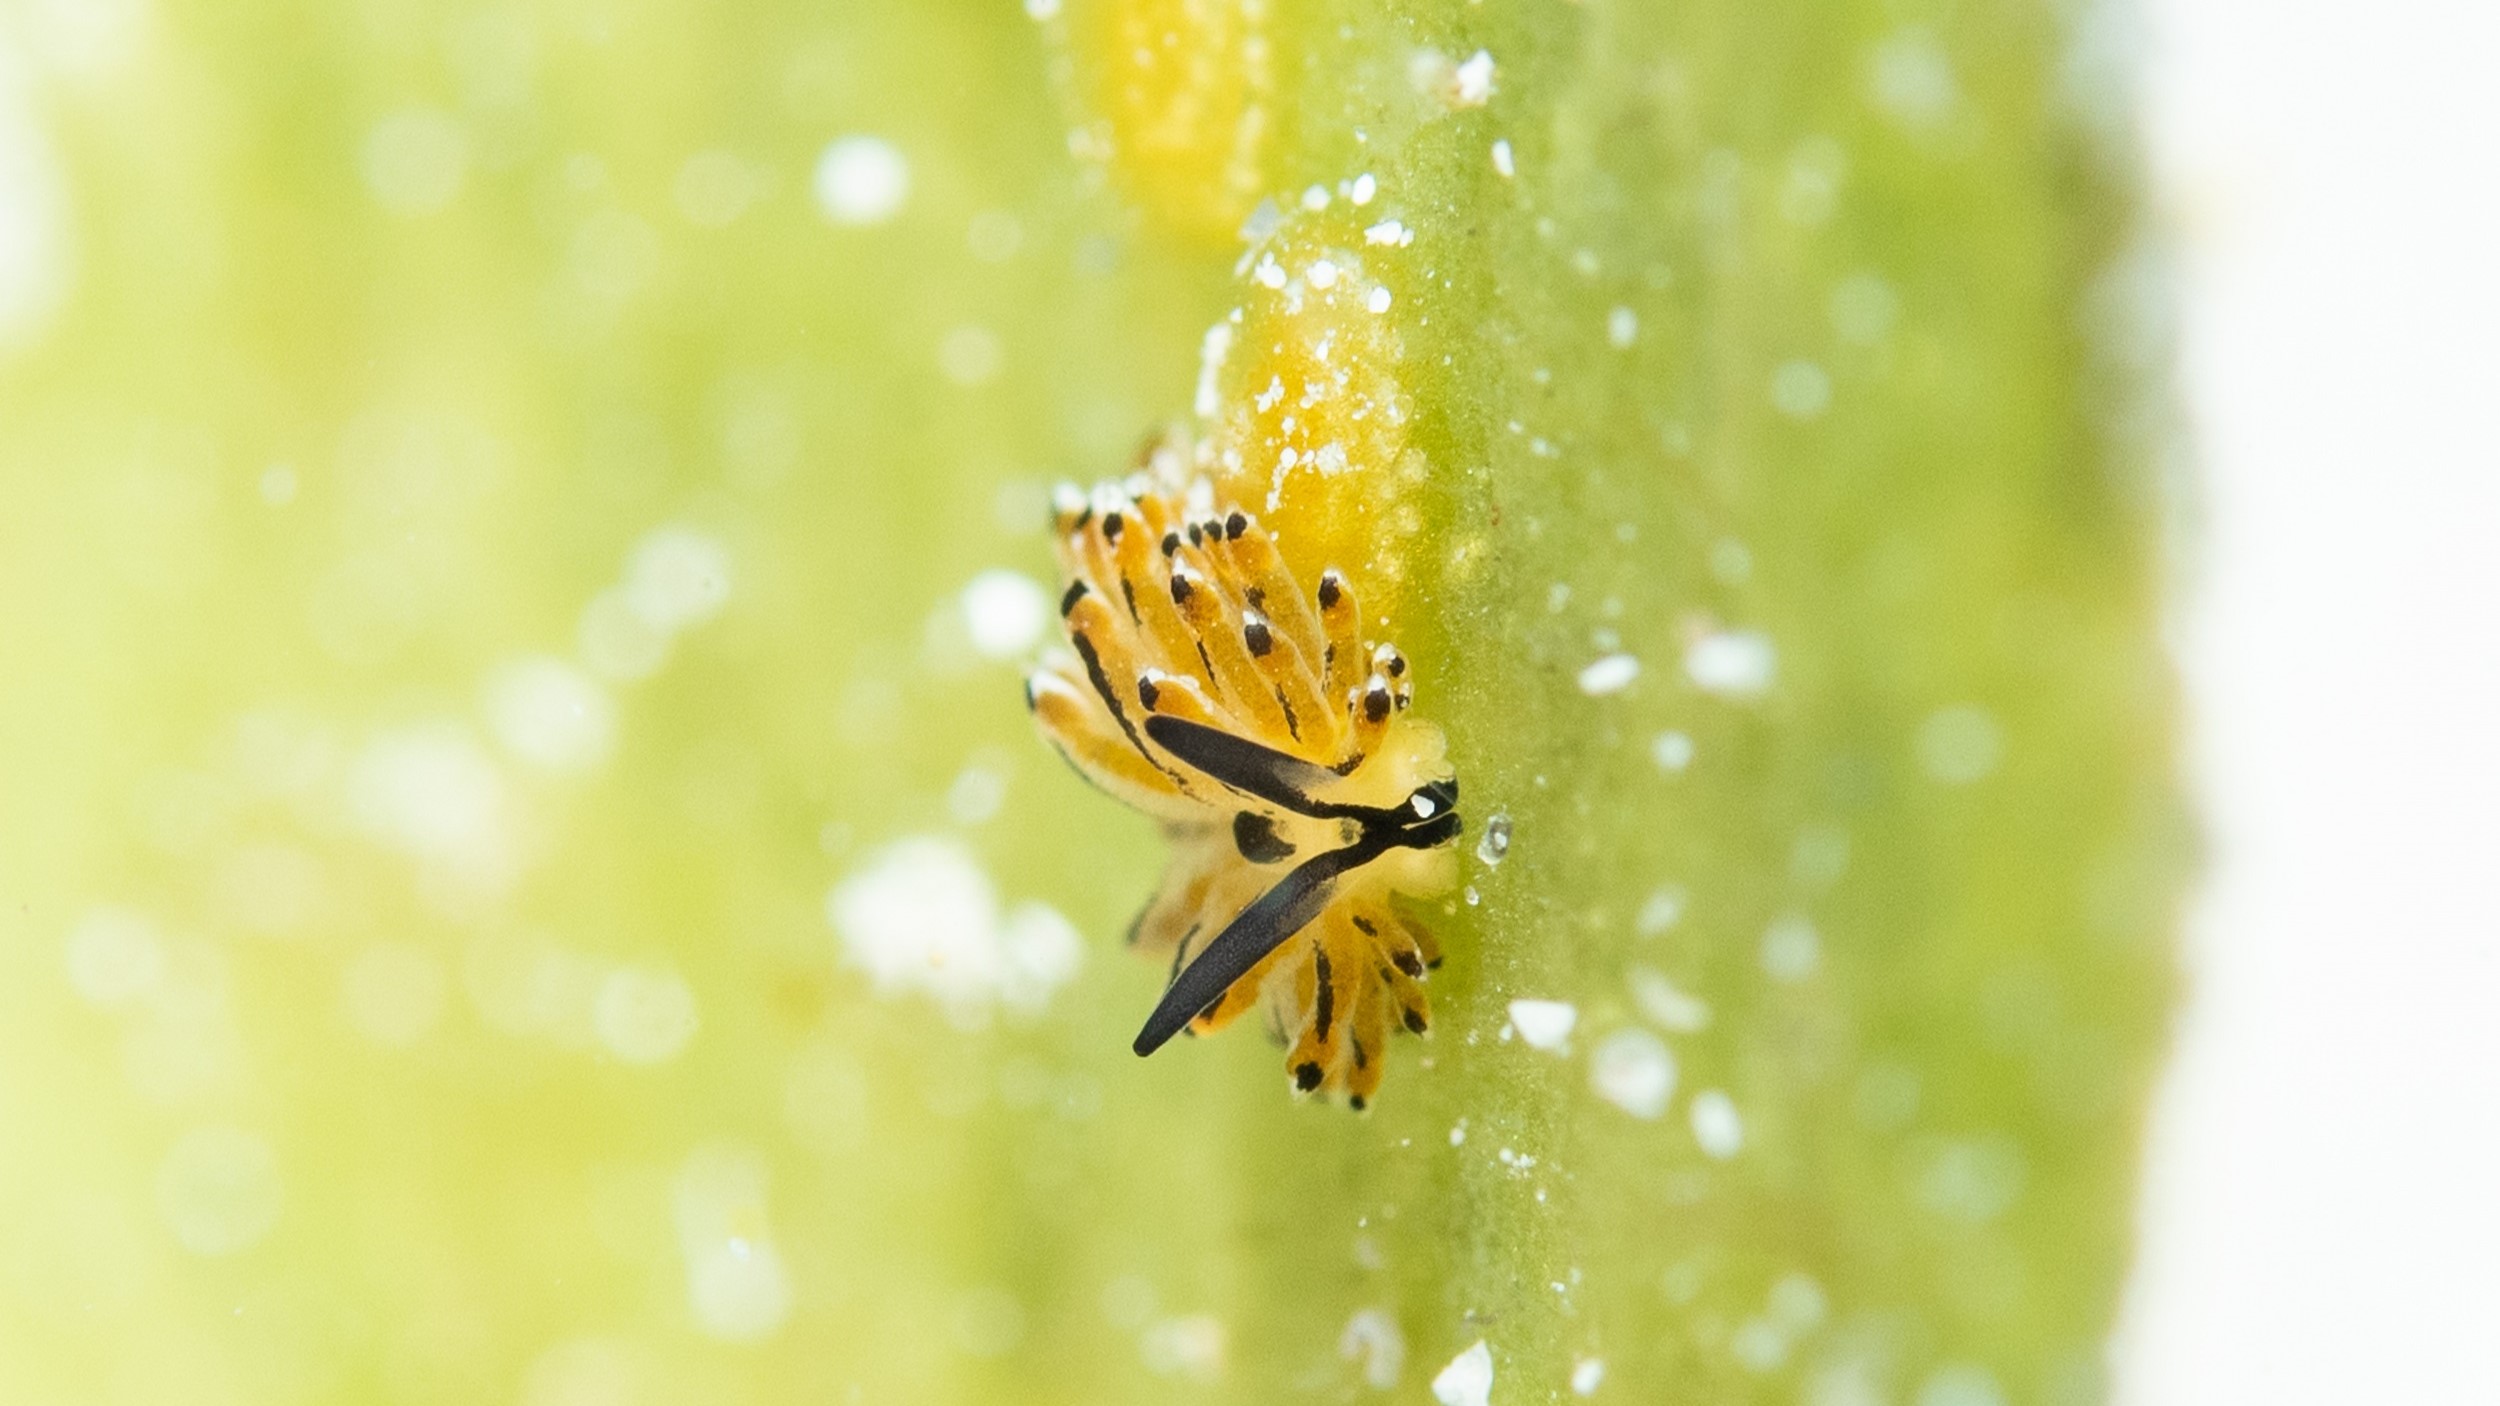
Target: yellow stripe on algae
[{"x": 1305, "y": 413}]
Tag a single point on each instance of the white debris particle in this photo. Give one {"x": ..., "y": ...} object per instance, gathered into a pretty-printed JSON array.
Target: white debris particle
[
  {"x": 1959, "y": 745},
  {"x": 1797, "y": 1303},
  {"x": 1623, "y": 327},
  {"x": 613, "y": 254},
  {"x": 1372, "y": 1338},
  {"x": 1389, "y": 234},
  {"x": 1812, "y": 191},
  {"x": 38, "y": 244},
  {"x": 1611, "y": 674},
  {"x": 1214, "y": 347},
  {"x": 393, "y": 993},
  {"x": 415, "y": 160},
  {"x": 644, "y": 1015},
  {"x": 994, "y": 236},
  {"x": 1041, "y": 10},
  {"x": 677, "y": 577},
  {"x": 431, "y": 792},
  {"x": 1801, "y": 390},
  {"x": 1864, "y": 308},
  {"x": 1587, "y": 1375},
  {"x": 115, "y": 957},
  {"x": 1632, "y": 1070},
  {"x": 616, "y": 643},
  {"x": 218, "y": 1190},
  {"x": 1663, "y": 909},
  {"x": 1911, "y": 77},
  {"x": 1791, "y": 948},
  {"x": 1363, "y": 189},
  {"x": 976, "y": 794},
  {"x": 1731, "y": 561},
  {"x": 1004, "y": 613},
  {"x": 1732, "y": 664},
  {"x": 1495, "y": 845},
  {"x": 1191, "y": 1346},
  {"x": 1972, "y": 1180},
  {"x": 713, "y": 188},
  {"x": 1471, "y": 85},
  {"x": 1128, "y": 1301},
  {"x": 1960, "y": 1384},
  {"x": 988, "y": 1321},
  {"x": 1322, "y": 274},
  {"x": 735, "y": 1283},
  {"x": 278, "y": 485},
  {"x": 1268, "y": 274},
  {"x": 584, "y": 1371},
  {"x": 1716, "y": 1125},
  {"x": 1545, "y": 1025},
  {"x": 1759, "y": 1345},
  {"x": 1503, "y": 164},
  {"x": 861, "y": 180},
  {"x": 921, "y": 916},
  {"x": 1315, "y": 198},
  {"x": 1458, "y": 1133},
  {"x": 1377, "y": 300},
  {"x": 1468, "y": 1380},
  {"x": 970, "y": 356},
  {"x": 548, "y": 713},
  {"x": 1667, "y": 1005},
  {"x": 1672, "y": 751}
]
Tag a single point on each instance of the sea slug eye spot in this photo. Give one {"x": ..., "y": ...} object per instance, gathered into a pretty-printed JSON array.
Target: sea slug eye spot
[
  {"x": 1376, "y": 701},
  {"x": 1306, "y": 1076},
  {"x": 1254, "y": 835},
  {"x": 1111, "y": 525},
  {"x": 1236, "y": 525},
  {"x": 1171, "y": 544},
  {"x": 1331, "y": 589},
  {"x": 1146, "y": 691},
  {"x": 1180, "y": 588},
  {"x": 1255, "y": 634},
  {"x": 1067, "y": 602}
]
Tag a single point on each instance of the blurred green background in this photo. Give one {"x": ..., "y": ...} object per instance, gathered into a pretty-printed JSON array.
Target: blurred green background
[{"x": 507, "y": 673}]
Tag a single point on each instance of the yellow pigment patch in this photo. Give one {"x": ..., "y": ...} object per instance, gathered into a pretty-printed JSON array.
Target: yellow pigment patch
[
  {"x": 1306, "y": 409},
  {"x": 1185, "y": 95}
]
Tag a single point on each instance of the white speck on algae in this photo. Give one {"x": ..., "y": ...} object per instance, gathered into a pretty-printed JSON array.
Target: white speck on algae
[
  {"x": 861, "y": 180},
  {"x": 1468, "y": 1380},
  {"x": 1609, "y": 675},
  {"x": 1373, "y": 1339},
  {"x": 1495, "y": 846},
  {"x": 1732, "y": 664},
  {"x": 1716, "y": 1125},
  {"x": 1632, "y": 1070},
  {"x": 1544, "y": 1025}
]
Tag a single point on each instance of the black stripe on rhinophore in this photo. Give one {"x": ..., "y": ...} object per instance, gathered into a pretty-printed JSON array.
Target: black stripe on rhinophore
[
  {"x": 1324, "y": 1003},
  {"x": 1102, "y": 687}
]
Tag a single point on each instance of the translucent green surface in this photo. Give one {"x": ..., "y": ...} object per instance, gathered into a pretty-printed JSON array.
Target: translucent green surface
[{"x": 377, "y": 1023}]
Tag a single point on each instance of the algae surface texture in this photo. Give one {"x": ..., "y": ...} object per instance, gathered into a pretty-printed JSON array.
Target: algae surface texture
[{"x": 527, "y": 875}]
